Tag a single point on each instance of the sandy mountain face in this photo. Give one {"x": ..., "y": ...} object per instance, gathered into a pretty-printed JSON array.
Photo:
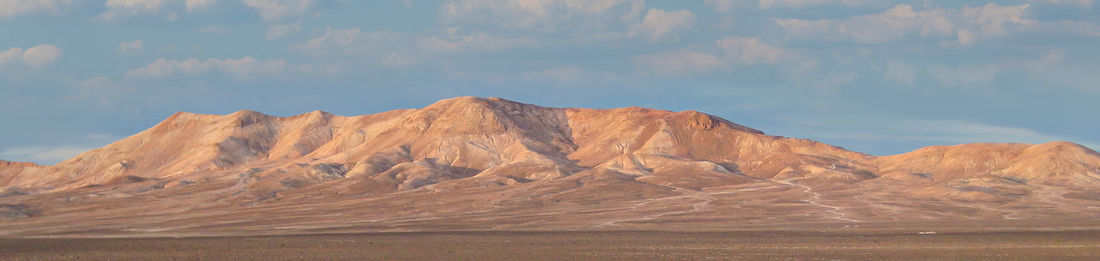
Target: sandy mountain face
[{"x": 493, "y": 164}]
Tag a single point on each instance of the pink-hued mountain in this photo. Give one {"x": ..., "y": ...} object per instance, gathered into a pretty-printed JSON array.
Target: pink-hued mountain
[{"x": 491, "y": 164}]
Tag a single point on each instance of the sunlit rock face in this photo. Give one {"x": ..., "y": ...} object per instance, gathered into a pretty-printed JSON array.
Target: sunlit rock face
[{"x": 490, "y": 163}]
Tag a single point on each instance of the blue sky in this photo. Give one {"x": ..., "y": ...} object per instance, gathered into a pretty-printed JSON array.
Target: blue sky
[{"x": 873, "y": 76}]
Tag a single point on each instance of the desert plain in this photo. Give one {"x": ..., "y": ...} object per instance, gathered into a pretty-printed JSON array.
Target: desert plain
[{"x": 808, "y": 244}]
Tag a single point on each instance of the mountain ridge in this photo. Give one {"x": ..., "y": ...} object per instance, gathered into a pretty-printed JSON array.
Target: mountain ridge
[{"x": 456, "y": 160}]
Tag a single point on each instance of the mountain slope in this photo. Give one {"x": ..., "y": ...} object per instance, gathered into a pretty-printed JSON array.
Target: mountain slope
[
  {"x": 490, "y": 163},
  {"x": 1054, "y": 162}
]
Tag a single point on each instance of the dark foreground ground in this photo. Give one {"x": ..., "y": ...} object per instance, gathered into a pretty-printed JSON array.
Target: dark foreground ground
[{"x": 1065, "y": 245}]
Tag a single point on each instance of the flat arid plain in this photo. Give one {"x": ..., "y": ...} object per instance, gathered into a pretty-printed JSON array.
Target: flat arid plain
[
  {"x": 620, "y": 245},
  {"x": 476, "y": 178}
]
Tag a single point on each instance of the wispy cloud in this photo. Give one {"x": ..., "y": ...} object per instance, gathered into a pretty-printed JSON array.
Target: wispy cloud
[
  {"x": 679, "y": 62},
  {"x": 43, "y": 154},
  {"x": 931, "y": 132},
  {"x": 660, "y": 24},
  {"x": 244, "y": 68},
  {"x": 51, "y": 154},
  {"x": 963, "y": 26},
  {"x": 131, "y": 47},
  {"x": 12, "y": 8}
]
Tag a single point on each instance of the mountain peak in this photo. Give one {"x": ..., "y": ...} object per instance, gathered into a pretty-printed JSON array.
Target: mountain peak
[
  {"x": 459, "y": 101},
  {"x": 493, "y": 103},
  {"x": 316, "y": 114},
  {"x": 246, "y": 113},
  {"x": 1055, "y": 145}
]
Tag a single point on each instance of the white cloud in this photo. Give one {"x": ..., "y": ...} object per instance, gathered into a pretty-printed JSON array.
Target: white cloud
[
  {"x": 752, "y": 51},
  {"x": 572, "y": 20},
  {"x": 766, "y": 4},
  {"x": 974, "y": 131},
  {"x": 10, "y": 56},
  {"x": 991, "y": 19},
  {"x": 399, "y": 59},
  {"x": 385, "y": 47},
  {"x": 51, "y": 154},
  {"x": 36, "y": 57},
  {"x": 891, "y": 25},
  {"x": 12, "y": 8},
  {"x": 131, "y": 47},
  {"x": 957, "y": 131},
  {"x": 941, "y": 131},
  {"x": 965, "y": 37},
  {"x": 169, "y": 9},
  {"x": 679, "y": 62},
  {"x": 122, "y": 8},
  {"x": 244, "y": 68},
  {"x": 901, "y": 22},
  {"x": 723, "y": 5},
  {"x": 1086, "y": 4},
  {"x": 879, "y": 129},
  {"x": 545, "y": 15},
  {"x": 94, "y": 83},
  {"x": 658, "y": 23},
  {"x": 269, "y": 10},
  {"x": 340, "y": 40},
  {"x": 740, "y": 51},
  {"x": 280, "y": 31},
  {"x": 275, "y": 10},
  {"x": 193, "y": 5},
  {"x": 41, "y": 55},
  {"x": 396, "y": 49},
  {"x": 137, "y": 5},
  {"x": 43, "y": 154},
  {"x": 730, "y": 5},
  {"x": 479, "y": 41},
  {"x": 736, "y": 50}
]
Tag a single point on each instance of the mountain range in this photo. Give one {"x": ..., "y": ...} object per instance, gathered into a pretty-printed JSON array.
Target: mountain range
[{"x": 473, "y": 163}]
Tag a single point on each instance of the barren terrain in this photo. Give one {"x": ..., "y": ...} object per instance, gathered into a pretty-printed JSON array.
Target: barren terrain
[
  {"x": 626, "y": 245},
  {"x": 489, "y": 164}
]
